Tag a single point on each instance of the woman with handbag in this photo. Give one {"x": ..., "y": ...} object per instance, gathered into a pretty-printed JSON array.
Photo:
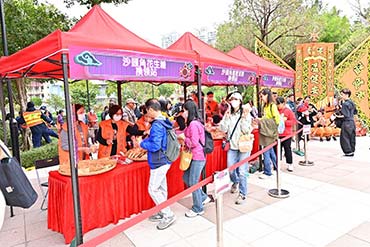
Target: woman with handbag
[
  {"x": 194, "y": 138},
  {"x": 290, "y": 121},
  {"x": 236, "y": 122},
  {"x": 268, "y": 126}
]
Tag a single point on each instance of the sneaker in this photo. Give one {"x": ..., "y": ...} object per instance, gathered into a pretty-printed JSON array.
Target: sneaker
[
  {"x": 264, "y": 176},
  {"x": 192, "y": 214},
  {"x": 349, "y": 154},
  {"x": 166, "y": 222},
  {"x": 290, "y": 167},
  {"x": 207, "y": 200},
  {"x": 240, "y": 199},
  {"x": 234, "y": 188},
  {"x": 156, "y": 217}
]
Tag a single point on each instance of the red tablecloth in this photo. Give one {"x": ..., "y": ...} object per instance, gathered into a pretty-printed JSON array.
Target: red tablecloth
[{"x": 115, "y": 195}]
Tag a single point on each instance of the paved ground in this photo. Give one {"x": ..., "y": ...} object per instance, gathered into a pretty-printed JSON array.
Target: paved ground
[{"x": 328, "y": 206}]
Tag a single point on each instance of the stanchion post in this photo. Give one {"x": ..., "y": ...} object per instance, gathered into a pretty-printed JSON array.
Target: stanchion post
[
  {"x": 306, "y": 162},
  {"x": 222, "y": 184},
  {"x": 278, "y": 192},
  {"x": 219, "y": 220}
]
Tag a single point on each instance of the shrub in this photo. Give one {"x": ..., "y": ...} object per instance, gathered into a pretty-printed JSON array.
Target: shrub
[{"x": 50, "y": 150}]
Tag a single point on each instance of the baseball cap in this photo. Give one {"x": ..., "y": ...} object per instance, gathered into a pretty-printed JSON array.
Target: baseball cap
[
  {"x": 236, "y": 95},
  {"x": 130, "y": 100}
]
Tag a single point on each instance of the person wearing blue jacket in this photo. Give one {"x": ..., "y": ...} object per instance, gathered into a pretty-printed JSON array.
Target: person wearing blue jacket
[{"x": 155, "y": 144}]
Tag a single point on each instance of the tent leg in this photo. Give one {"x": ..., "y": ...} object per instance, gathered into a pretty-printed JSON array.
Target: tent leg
[
  {"x": 119, "y": 92},
  {"x": 72, "y": 154},
  {"x": 88, "y": 95}
]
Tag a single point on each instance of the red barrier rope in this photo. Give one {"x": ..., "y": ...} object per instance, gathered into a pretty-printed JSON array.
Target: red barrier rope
[{"x": 137, "y": 219}]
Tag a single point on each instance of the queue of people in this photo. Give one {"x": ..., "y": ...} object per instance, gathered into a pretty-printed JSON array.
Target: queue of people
[{"x": 118, "y": 133}]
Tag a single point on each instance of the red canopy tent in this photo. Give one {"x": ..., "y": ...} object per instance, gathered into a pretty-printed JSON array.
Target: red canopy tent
[
  {"x": 96, "y": 29},
  {"x": 231, "y": 70},
  {"x": 48, "y": 58},
  {"x": 271, "y": 74}
]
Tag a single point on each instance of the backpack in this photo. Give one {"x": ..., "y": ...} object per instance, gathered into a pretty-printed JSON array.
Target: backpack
[
  {"x": 173, "y": 146},
  {"x": 208, "y": 146}
]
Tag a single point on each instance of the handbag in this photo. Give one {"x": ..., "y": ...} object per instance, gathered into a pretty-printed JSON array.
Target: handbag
[
  {"x": 226, "y": 142},
  {"x": 14, "y": 184},
  {"x": 185, "y": 159},
  {"x": 246, "y": 143}
]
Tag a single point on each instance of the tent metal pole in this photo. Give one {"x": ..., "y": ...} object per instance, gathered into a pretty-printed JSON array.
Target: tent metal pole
[
  {"x": 199, "y": 89},
  {"x": 258, "y": 98},
  {"x": 119, "y": 92},
  {"x": 12, "y": 122},
  {"x": 13, "y": 132},
  {"x": 202, "y": 114},
  {"x": 184, "y": 93},
  {"x": 3, "y": 113},
  {"x": 72, "y": 154},
  {"x": 259, "y": 110},
  {"x": 88, "y": 95}
]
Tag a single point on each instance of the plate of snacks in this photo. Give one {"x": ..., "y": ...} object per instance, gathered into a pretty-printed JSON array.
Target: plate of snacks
[
  {"x": 137, "y": 154},
  {"x": 90, "y": 167}
]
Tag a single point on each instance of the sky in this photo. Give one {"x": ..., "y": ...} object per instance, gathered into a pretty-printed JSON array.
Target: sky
[{"x": 151, "y": 19}]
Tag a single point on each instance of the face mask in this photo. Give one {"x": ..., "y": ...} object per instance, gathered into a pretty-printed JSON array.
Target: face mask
[
  {"x": 117, "y": 117},
  {"x": 235, "y": 103},
  {"x": 81, "y": 117}
]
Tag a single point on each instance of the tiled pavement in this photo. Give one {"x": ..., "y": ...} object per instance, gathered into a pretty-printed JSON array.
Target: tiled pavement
[{"x": 329, "y": 205}]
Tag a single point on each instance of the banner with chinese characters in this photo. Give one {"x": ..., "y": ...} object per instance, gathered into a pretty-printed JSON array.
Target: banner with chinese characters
[
  {"x": 216, "y": 75},
  {"x": 315, "y": 71},
  {"x": 277, "y": 81},
  {"x": 353, "y": 73},
  {"x": 103, "y": 64}
]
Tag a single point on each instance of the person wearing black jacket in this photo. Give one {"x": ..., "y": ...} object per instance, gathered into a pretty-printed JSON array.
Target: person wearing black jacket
[
  {"x": 35, "y": 120},
  {"x": 348, "y": 128}
]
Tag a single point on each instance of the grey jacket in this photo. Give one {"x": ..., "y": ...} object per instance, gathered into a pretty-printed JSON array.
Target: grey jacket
[{"x": 244, "y": 127}]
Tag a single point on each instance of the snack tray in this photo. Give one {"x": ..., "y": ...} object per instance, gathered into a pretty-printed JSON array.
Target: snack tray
[{"x": 85, "y": 171}]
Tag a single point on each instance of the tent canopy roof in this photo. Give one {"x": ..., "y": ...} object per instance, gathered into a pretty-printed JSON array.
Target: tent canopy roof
[
  {"x": 264, "y": 66},
  {"x": 96, "y": 29},
  {"x": 208, "y": 54}
]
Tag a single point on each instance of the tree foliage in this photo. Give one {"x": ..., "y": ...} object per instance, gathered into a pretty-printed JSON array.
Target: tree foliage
[
  {"x": 282, "y": 24},
  {"x": 37, "y": 101},
  {"x": 90, "y": 3},
  {"x": 28, "y": 21},
  {"x": 79, "y": 94},
  {"x": 55, "y": 102}
]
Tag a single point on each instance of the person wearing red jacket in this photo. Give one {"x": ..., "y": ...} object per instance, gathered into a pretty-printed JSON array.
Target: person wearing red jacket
[{"x": 289, "y": 121}]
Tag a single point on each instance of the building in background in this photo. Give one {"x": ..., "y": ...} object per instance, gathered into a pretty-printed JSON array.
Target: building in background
[
  {"x": 44, "y": 91},
  {"x": 205, "y": 34}
]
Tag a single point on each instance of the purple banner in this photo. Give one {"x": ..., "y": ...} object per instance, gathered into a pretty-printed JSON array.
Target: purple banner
[
  {"x": 102, "y": 64},
  {"x": 227, "y": 76},
  {"x": 277, "y": 81}
]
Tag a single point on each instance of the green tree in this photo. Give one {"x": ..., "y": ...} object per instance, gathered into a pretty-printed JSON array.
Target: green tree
[
  {"x": 90, "y": 3},
  {"x": 37, "y": 101},
  {"x": 27, "y": 21},
  {"x": 281, "y": 27},
  {"x": 280, "y": 24},
  {"x": 55, "y": 102},
  {"x": 79, "y": 94}
]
